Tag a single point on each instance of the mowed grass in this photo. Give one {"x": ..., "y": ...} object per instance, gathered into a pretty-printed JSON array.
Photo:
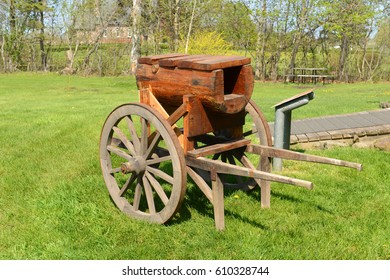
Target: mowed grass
[{"x": 54, "y": 203}]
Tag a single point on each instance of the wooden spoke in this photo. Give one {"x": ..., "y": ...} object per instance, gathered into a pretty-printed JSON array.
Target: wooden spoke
[
  {"x": 149, "y": 195},
  {"x": 158, "y": 160},
  {"x": 153, "y": 144},
  {"x": 246, "y": 162},
  {"x": 125, "y": 141},
  {"x": 137, "y": 195},
  {"x": 133, "y": 133},
  {"x": 251, "y": 131},
  {"x": 144, "y": 136},
  {"x": 231, "y": 159},
  {"x": 116, "y": 142},
  {"x": 157, "y": 187},
  {"x": 115, "y": 170},
  {"x": 161, "y": 152},
  {"x": 160, "y": 174},
  {"x": 118, "y": 152},
  {"x": 128, "y": 183}
]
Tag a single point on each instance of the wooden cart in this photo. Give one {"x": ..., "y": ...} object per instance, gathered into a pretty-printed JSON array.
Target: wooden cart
[{"x": 195, "y": 117}]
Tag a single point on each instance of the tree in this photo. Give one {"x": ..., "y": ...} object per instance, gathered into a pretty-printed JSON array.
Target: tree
[
  {"x": 378, "y": 60},
  {"x": 40, "y": 7},
  {"x": 3, "y": 32},
  {"x": 263, "y": 33},
  {"x": 136, "y": 34},
  {"x": 281, "y": 40},
  {"x": 347, "y": 19},
  {"x": 278, "y": 34},
  {"x": 236, "y": 25},
  {"x": 375, "y": 23}
]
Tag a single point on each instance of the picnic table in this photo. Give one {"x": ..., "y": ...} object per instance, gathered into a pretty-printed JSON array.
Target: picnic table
[{"x": 308, "y": 75}]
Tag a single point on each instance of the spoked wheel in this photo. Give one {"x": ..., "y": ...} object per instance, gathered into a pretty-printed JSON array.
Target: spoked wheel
[
  {"x": 257, "y": 130},
  {"x": 142, "y": 163}
]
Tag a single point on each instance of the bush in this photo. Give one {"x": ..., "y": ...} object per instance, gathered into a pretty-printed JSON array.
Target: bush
[{"x": 207, "y": 43}]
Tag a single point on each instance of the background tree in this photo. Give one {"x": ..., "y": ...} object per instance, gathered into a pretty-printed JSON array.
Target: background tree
[
  {"x": 281, "y": 39},
  {"x": 348, "y": 36},
  {"x": 378, "y": 60},
  {"x": 263, "y": 33},
  {"x": 136, "y": 34},
  {"x": 347, "y": 19},
  {"x": 236, "y": 25}
]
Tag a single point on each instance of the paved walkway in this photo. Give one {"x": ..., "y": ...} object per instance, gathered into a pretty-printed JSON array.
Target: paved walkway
[{"x": 370, "y": 123}]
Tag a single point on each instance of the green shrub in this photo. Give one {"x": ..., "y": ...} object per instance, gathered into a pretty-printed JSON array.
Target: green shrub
[{"x": 207, "y": 43}]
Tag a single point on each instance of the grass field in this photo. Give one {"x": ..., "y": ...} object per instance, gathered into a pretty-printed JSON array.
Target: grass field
[{"x": 54, "y": 203}]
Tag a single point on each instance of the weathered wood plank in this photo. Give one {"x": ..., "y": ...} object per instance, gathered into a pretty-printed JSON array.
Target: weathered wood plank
[
  {"x": 268, "y": 151},
  {"x": 196, "y": 121},
  {"x": 218, "y": 203},
  {"x": 174, "y": 61},
  {"x": 154, "y": 58},
  {"x": 225, "y": 168},
  {"x": 177, "y": 114},
  {"x": 192, "y": 63},
  {"x": 219, "y": 148},
  {"x": 216, "y": 62}
]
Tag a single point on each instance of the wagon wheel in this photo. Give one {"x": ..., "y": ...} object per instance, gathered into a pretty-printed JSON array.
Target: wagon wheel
[
  {"x": 142, "y": 163},
  {"x": 257, "y": 130}
]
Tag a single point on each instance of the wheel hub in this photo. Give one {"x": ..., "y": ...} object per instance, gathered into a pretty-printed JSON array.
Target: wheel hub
[{"x": 136, "y": 164}]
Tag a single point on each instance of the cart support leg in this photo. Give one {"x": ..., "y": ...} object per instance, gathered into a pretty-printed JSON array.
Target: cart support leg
[
  {"x": 218, "y": 203},
  {"x": 265, "y": 185}
]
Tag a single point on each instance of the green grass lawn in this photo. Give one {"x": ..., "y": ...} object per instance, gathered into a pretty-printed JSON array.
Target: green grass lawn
[{"x": 54, "y": 203}]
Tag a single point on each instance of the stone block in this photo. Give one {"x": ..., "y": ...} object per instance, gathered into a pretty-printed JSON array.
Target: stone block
[{"x": 383, "y": 143}]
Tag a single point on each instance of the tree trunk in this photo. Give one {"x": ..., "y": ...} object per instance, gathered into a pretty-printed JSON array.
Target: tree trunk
[
  {"x": 12, "y": 16},
  {"x": 94, "y": 49},
  {"x": 261, "y": 44},
  {"x": 263, "y": 73},
  {"x": 14, "y": 54},
  {"x": 190, "y": 27},
  {"x": 301, "y": 23},
  {"x": 363, "y": 74},
  {"x": 2, "y": 53},
  {"x": 275, "y": 65},
  {"x": 294, "y": 54},
  {"x": 344, "y": 50},
  {"x": 176, "y": 25},
  {"x": 42, "y": 38},
  {"x": 362, "y": 71},
  {"x": 135, "y": 37}
]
